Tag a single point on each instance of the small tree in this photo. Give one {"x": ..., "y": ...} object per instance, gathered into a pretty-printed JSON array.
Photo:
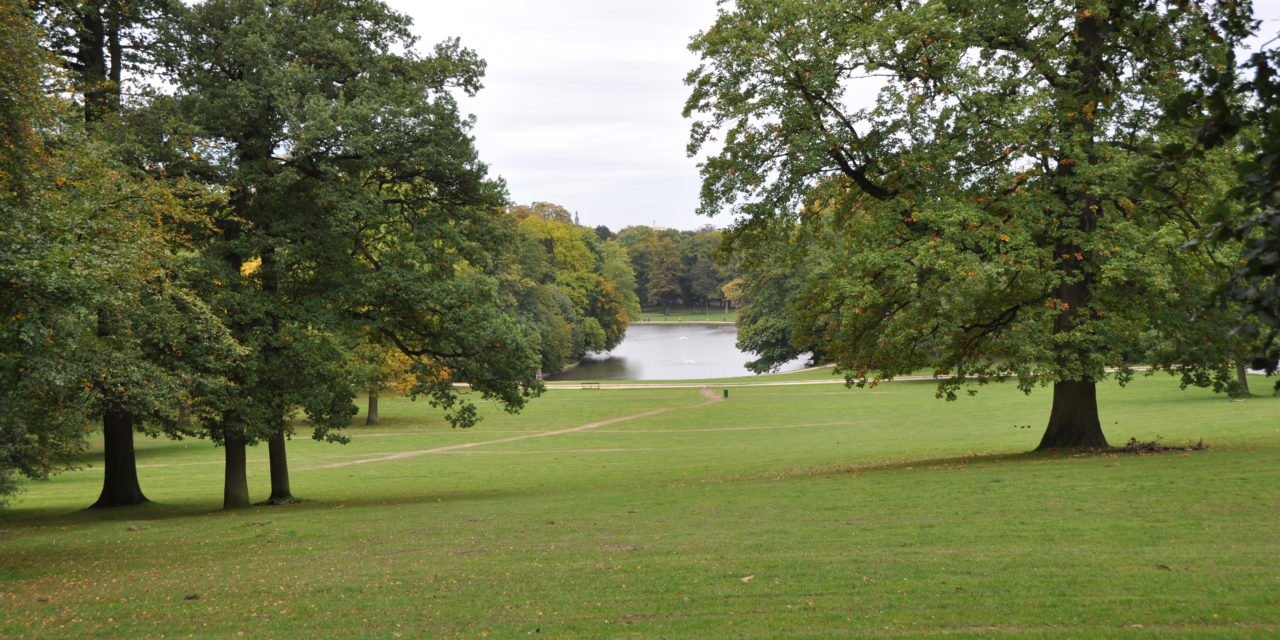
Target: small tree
[{"x": 378, "y": 369}]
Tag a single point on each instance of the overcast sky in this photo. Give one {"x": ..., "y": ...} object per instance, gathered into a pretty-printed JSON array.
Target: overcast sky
[{"x": 582, "y": 100}]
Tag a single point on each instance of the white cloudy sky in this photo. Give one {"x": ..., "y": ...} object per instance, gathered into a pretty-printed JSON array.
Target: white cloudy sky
[{"x": 582, "y": 99}]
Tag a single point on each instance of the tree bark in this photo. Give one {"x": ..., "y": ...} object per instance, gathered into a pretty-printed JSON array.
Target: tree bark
[
  {"x": 1073, "y": 421},
  {"x": 99, "y": 81},
  {"x": 280, "y": 493},
  {"x": 120, "y": 486},
  {"x": 235, "y": 488},
  {"x": 1242, "y": 378},
  {"x": 91, "y": 55},
  {"x": 371, "y": 418}
]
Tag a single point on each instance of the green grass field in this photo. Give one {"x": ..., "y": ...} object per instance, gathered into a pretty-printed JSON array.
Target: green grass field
[
  {"x": 789, "y": 511},
  {"x": 687, "y": 314}
]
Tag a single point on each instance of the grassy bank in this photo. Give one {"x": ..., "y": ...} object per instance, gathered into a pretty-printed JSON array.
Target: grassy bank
[
  {"x": 686, "y": 314},
  {"x": 783, "y": 511}
]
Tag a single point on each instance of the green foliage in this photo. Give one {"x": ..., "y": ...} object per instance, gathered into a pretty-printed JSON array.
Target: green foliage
[
  {"x": 772, "y": 296},
  {"x": 95, "y": 317},
  {"x": 574, "y": 292},
  {"x": 676, "y": 266},
  {"x": 90, "y": 257},
  {"x": 355, "y": 200},
  {"x": 103, "y": 45},
  {"x": 975, "y": 217},
  {"x": 615, "y": 267},
  {"x": 662, "y": 285},
  {"x": 1240, "y": 104}
]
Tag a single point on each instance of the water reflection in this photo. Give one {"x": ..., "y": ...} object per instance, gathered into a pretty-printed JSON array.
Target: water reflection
[{"x": 669, "y": 352}]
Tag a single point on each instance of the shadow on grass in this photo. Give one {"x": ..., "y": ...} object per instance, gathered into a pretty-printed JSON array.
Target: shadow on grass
[
  {"x": 34, "y": 518},
  {"x": 945, "y": 463}
]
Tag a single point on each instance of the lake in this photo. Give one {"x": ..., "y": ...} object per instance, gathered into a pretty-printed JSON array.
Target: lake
[{"x": 669, "y": 352}]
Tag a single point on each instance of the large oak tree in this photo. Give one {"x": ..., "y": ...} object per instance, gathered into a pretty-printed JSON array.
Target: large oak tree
[
  {"x": 103, "y": 47},
  {"x": 975, "y": 160},
  {"x": 357, "y": 204},
  {"x": 96, "y": 324}
]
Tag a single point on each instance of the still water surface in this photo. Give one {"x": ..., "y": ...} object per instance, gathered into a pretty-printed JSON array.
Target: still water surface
[{"x": 669, "y": 352}]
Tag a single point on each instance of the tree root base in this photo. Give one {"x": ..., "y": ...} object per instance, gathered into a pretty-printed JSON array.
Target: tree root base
[
  {"x": 277, "y": 502},
  {"x": 116, "y": 505}
]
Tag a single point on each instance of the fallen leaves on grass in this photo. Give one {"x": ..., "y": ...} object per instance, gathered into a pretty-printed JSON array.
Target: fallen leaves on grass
[{"x": 1156, "y": 446}]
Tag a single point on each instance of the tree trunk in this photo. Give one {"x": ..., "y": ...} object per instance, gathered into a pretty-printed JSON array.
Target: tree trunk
[
  {"x": 271, "y": 353},
  {"x": 235, "y": 487},
  {"x": 1073, "y": 422},
  {"x": 371, "y": 418},
  {"x": 91, "y": 56},
  {"x": 120, "y": 486},
  {"x": 97, "y": 38},
  {"x": 280, "y": 493},
  {"x": 1242, "y": 378}
]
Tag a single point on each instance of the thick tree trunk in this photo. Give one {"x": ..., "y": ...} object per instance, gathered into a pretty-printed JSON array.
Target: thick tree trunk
[
  {"x": 91, "y": 55},
  {"x": 235, "y": 488},
  {"x": 371, "y": 417},
  {"x": 100, "y": 85},
  {"x": 277, "y": 453},
  {"x": 1242, "y": 379},
  {"x": 120, "y": 486},
  {"x": 1073, "y": 422},
  {"x": 280, "y": 493}
]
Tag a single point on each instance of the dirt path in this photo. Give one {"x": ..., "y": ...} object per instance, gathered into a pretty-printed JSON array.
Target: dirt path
[{"x": 711, "y": 398}]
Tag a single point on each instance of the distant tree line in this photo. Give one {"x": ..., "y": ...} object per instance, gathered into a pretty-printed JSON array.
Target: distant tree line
[
  {"x": 573, "y": 291},
  {"x": 677, "y": 267}
]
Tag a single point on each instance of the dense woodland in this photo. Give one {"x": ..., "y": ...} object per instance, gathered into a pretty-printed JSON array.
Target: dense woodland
[
  {"x": 679, "y": 267},
  {"x": 218, "y": 218}
]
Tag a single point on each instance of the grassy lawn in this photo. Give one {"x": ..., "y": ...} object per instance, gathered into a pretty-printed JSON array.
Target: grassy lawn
[
  {"x": 803, "y": 511},
  {"x": 686, "y": 314}
]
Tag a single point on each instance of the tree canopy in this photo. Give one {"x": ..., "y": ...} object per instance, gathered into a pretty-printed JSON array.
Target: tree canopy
[
  {"x": 978, "y": 214},
  {"x": 573, "y": 292},
  {"x": 1241, "y": 103},
  {"x": 355, "y": 198},
  {"x": 96, "y": 319},
  {"x": 201, "y": 254}
]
